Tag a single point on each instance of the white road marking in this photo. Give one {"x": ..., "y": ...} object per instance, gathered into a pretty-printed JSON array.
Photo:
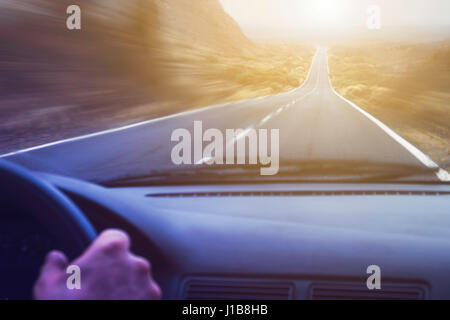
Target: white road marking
[
  {"x": 204, "y": 160},
  {"x": 272, "y": 114},
  {"x": 287, "y": 106},
  {"x": 442, "y": 174},
  {"x": 295, "y": 101},
  {"x": 138, "y": 124},
  {"x": 100, "y": 133},
  {"x": 267, "y": 118},
  {"x": 241, "y": 135}
]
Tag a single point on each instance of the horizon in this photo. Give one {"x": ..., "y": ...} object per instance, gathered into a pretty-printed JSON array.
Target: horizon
[{"x": 329, "y": 17}]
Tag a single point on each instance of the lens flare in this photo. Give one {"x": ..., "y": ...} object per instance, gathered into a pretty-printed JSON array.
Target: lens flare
[{"x": 326, "y": 13}]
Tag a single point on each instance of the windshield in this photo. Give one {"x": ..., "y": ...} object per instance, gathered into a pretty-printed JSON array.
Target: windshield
[{"x": 152, "y": 92}]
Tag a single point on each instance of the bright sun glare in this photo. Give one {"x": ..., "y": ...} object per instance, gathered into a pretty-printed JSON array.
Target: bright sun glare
[{"x": 326, "y": 13}]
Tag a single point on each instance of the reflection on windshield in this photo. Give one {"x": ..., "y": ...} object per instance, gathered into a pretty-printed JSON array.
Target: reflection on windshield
[{"x": 310, "y": 171}]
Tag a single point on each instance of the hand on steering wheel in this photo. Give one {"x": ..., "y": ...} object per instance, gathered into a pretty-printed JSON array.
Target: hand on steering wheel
[
  {"x": 44, "y": 208},
  {"x": 108, "y": 271}
]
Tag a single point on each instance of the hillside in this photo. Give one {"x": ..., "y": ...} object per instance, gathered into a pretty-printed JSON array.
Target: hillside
[
  {"x": 404, "y": 85},
  {"x": 132, "y": 61}
]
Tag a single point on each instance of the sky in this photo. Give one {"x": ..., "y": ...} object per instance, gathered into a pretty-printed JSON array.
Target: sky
[{"x": 316, "y": 14}]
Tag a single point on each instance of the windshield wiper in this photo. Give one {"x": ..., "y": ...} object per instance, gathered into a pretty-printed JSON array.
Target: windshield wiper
[{"x": 304, "y": 171}]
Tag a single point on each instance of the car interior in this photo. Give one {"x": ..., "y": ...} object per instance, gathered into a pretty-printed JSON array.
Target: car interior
[
  {"x": 250, "y": 150},
  {"x": 265, "y": 241}
]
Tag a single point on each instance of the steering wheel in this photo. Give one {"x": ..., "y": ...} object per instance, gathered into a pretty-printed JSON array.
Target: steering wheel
[{"x": 35, "y": 217}]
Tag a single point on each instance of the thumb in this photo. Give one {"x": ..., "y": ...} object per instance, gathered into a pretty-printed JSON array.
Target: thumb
[{"x": 55, "y": 262}]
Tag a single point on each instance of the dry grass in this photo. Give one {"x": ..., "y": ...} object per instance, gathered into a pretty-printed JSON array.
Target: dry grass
[
  {"x": 195, "y": 54},
  {"x": 133, "y": 60},
  {"x": 405, "y": 86},
  {"x": 200, "y": 76}
]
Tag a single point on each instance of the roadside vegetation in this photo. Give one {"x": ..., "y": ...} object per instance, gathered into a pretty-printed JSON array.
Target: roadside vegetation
[
  {"x": 132, "y": 61},
  {"x": 407, "y": 86}
]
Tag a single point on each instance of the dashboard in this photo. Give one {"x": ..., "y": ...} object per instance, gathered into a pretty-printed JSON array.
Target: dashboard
[{"x": 305, "y": 241}]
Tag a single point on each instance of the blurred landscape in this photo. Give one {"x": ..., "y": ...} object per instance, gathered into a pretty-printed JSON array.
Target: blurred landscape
[
  {"x": 141, "y": 59},
  {"x": 132, "y": 61},
  {"x": 405, "y": 85}
]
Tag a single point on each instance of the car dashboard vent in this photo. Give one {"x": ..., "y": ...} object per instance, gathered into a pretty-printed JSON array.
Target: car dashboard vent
[
  {"x": 330, "y": 291},
  {"x": 217, "y": 289},
  {"x": 294, "y": 194}
]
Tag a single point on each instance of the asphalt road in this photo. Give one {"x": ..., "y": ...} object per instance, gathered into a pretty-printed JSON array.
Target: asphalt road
[{"x": 315, "y": 124}]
